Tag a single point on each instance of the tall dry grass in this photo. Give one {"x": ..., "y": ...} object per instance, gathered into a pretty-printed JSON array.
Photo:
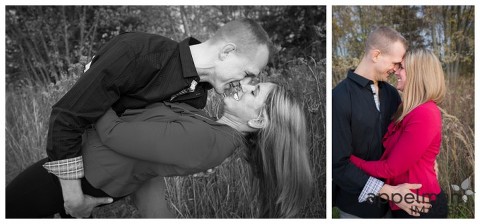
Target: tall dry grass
[
  {"x": 224, "y": 194},
  {"x": 27, "y": 111},
  {"x": 457, "y": 154}
]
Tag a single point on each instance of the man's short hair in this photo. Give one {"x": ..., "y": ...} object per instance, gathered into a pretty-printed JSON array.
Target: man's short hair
[
  {"x": 246, "y": 34},
  {"x": 382, "y": 38}
]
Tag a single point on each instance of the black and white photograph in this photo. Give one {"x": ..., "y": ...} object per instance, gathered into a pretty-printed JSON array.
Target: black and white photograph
[{"x": 164, "y": 111}]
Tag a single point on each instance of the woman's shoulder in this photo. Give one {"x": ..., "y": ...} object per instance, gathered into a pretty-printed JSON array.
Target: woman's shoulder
[
  {"x": 428, "y": 110},
  {"x": 426, "y": 107}
]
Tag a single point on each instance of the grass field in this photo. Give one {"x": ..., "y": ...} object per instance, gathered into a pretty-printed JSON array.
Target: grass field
[{"x": 224, "y": 194}]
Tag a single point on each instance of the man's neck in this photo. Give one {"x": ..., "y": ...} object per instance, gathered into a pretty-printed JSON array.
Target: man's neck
[
  {"x": 203, "y": 56},
  {"x": 365, "y": 70}
]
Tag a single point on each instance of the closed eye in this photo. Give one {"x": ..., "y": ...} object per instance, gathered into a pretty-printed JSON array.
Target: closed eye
[
  {"x": 256, "y": 91},
  {"x": 249, "y": 75},
  {"x": 398, "y": 65}
]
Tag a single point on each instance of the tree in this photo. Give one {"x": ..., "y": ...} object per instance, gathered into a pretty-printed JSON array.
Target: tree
[
  {"x": 453, "y": 37},
  {"x": 447, "y": 30},
  {"x": 43, "y": 42}
]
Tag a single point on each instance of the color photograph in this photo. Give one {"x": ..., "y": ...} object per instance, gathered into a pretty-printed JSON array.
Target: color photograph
[{"x": 403, "y": 112}]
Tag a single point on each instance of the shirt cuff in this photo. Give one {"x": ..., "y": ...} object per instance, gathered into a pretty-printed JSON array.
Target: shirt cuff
[
  {"x": 67, "y": 169},
  {"x": 370, "y": 190}
]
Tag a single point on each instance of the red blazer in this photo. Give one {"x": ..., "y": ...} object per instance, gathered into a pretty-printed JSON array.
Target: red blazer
[{"x": 411, "y": 147}]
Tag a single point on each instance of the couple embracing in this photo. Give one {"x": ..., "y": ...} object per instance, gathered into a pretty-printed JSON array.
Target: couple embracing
[
  {"x": 135, "y": 116},
  {"x": 384, "y": 146}
]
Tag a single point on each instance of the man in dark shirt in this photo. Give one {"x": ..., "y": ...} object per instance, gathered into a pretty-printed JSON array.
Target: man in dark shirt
[
  {"x": 362, "y": 107},
  {"x": 136, "y": 69}
]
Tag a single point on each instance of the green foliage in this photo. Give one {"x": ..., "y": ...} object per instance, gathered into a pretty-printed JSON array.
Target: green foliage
[{"x": 335, "y": 213}]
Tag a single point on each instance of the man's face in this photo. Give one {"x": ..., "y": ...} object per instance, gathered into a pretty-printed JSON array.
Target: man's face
[
  {"x": 390, "y": 62},
  {"x": 234, "y": 67}
]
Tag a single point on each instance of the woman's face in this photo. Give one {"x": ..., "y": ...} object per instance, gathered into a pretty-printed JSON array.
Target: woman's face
[
  {"x": 250, "y": 101},
  {"x": 401, "y": 77}
]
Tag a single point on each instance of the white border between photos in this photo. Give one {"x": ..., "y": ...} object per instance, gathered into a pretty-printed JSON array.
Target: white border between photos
[{"x": 328, "y": 4}]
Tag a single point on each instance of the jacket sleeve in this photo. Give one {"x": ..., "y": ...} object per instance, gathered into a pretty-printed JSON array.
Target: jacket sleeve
[
  {"x": 186, "y": 144},
  {"x": 95, "y": 91},
  {"x": 419, "y": 132},
  {"x": 344, "y": 174}
]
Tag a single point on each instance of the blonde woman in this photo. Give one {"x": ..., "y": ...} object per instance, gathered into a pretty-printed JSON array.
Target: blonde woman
[
  {"x": 413, "y": 139},
  {"x": 175, "y": 139}
]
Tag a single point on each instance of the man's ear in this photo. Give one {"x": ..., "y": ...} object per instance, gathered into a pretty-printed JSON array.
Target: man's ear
[
  {"x": 375, "y": 54},
  {"x": 226, "y": 50},
  {"x": 257, "y": 123}
]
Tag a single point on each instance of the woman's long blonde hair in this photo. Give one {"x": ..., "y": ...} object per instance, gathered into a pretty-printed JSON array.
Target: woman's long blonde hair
[
  {"x": 278, "y": 155},
  {"x": 425, "y": 81}
]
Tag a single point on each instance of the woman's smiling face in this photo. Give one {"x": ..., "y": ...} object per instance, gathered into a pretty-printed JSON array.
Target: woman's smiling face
[
  {"x": 250, "y": 101},
  {"x": 401, "y": 77}
]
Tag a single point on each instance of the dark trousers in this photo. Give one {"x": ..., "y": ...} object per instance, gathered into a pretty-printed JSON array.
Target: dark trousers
[
  {"x": 439, "y": 209},
  {"x": 35, "y": 193}
]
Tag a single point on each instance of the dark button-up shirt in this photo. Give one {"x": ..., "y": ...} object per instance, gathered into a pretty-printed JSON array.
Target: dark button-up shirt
[
  {"x": 130, "y": 71},
  {"x": 164, "y": 139},
  {"x": 358, "y": 128}
]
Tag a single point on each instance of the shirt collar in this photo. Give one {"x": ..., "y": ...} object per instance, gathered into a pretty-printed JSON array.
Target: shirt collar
[
  {"x": 188, "y": 66},
  {"x": 360, "y": 80}
]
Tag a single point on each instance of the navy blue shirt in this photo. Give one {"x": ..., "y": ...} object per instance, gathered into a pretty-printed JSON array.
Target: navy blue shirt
[
  {"x": 358, "y": 128},
  {"x": 130, "y": 71}
]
